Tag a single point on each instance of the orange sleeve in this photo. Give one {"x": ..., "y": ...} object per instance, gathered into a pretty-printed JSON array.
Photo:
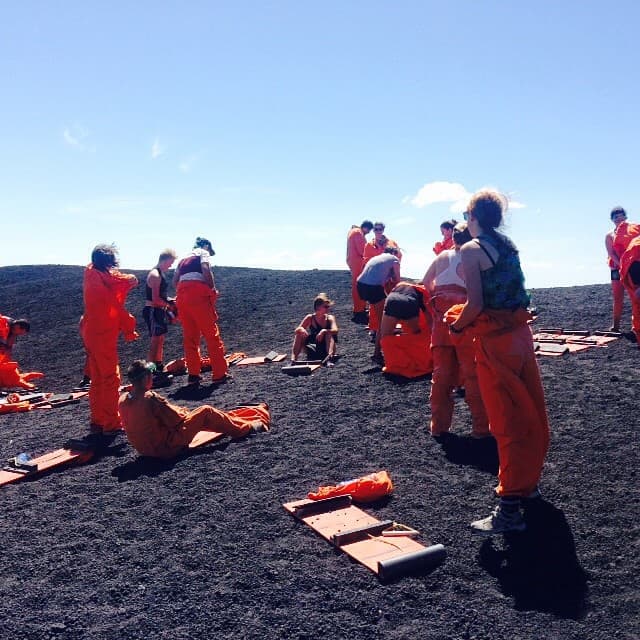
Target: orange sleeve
[{"x": 168, "y": 415}]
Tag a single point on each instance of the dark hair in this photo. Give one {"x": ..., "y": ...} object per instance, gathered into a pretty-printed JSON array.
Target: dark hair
[
  {"x": 366, "y": 224},
  {"x": 23, "y": 323},
  {"x": 203, "y": 243},
  {"x": 392, "y": 250},
  {"x": 139, "y": 369},
  {"x": 449, "y": 224},
  {"x": 488, "y": 209},
  {"x": 616, "y": 211},
  {"x": 104, "y": 256},
  {"x": 461, "y": 234}
]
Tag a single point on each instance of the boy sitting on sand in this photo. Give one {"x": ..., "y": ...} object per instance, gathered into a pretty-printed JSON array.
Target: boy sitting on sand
[{"x": 159, "y": 429}]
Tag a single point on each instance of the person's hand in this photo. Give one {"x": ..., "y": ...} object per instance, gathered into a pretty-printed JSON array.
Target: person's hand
[
  {"x": 321, "y": 333},
  {"x": 302, "y": 331}
]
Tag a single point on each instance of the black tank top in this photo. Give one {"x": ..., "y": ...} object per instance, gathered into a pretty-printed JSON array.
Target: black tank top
[{"x": 164, "y": 287}]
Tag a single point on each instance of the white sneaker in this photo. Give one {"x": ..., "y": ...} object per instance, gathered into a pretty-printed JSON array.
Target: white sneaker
[{"x": 500, "y": 521}]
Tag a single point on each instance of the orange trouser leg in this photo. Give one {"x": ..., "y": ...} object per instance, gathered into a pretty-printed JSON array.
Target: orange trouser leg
[
  {"x": 469, "y": 380},
  {"x": 359, "y": 305},
  {"x": 235, "y": 423},
  {"x": 444, "y": 378},
  {"x": 617, "y": 291},
  {"x": 102, "y": 353},
  {"x": 635, "y": 315},
  {"x": 513, "y": 397},
  {"x": 199, "y": 318}
]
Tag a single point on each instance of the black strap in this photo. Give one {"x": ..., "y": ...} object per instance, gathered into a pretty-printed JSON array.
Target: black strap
[{"x": 493, "y": 262}]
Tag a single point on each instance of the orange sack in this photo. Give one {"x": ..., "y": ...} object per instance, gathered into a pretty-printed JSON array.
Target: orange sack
[
  {"x": 407, "y": 354},
  {"x": 365, "y": 489}
]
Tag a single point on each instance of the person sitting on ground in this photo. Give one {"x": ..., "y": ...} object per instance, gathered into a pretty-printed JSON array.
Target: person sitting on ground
[
  {"x": 380, "y": 273},
  {"x": 317, "y": 333},
  {"x": 446, "y": 229},
  {"x": 10, "y": 329},
  {"x": 453, "y": 360},
  {"x": 157, "y": 307},
  {"x": 159, "y": 429}
]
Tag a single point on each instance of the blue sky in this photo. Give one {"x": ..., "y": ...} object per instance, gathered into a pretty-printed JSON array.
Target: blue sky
[{"x": 271, "y": 127}]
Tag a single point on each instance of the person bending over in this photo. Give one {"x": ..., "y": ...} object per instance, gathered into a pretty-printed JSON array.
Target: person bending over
[
  {"x": 159, "y": 429},
  {"x": 380, "y": 273},
  {"x": 10, "y": 329},
  {"x": 495, "y": 313},
  {"x": 157, "y": 306},
  {"x": 317, "y": 333}
]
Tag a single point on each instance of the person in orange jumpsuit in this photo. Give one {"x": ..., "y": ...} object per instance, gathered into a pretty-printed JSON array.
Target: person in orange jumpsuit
[
  {"x": 196, "y": 302},
  {"x": 495, "y": 313},
  {"x": 10, "y": 374},
  {"x": 356, "y": 240},
  {"x": 446, "y": 229},
  {"x": 453, "y": 360},
  {"x": 630, "y": 275},
  {"x": 105, "y": 290},
  {"x": 159, "y": 429},
  {"x": 618, "y": 216},
  {"x": 407, "y": 353},
  {"x": 375, "y": 247}
]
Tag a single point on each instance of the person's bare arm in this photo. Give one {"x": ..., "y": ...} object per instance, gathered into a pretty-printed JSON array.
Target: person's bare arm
[
  {"x": 430, "y": 276},
  {"x": 472, "y": 258},
  {"x": 153, "y": 282},
  {"x": 205, "y": 267}
]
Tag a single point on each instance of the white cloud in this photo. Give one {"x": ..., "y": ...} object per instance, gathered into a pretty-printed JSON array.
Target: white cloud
[
  {"x": 440, "y": 191},
  {"x": 75, "y": 136},
  {"x": 453, "y": 192},
  {"x": 156, "y": 149},
  {"x": 187, "y": 164}
]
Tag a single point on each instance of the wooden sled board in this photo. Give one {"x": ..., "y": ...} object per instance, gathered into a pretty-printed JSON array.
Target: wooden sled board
[
  {"x": 359, "y": 535},
  {"x": 205, "y": 437},
  {"x": 60, "y": 400},
  {"x": 66, "y": 456},
  {"x": 301, "y": 369},
  {"x": 260, "y": 360}
]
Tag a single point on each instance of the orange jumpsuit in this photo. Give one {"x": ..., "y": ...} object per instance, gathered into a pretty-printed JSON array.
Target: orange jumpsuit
[
  {"x": 159, "y": 429},
  {"x": 631, "y": 255},
  {"x": 453, "y": 365},
  {"x": 104, "y": 318},
  {"x": 371, "y": 249},
  {"x": 625, "y": 232},
  {"x": 197, "y": 309},
  {"x": 408, "y": 354},
  {"x": 355, "y": 250},
  {"x": 513, "y": 396},
  {"x": 446, "y": 244}
]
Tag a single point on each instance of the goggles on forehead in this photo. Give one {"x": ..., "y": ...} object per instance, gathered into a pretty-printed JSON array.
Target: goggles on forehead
[{"x": 150, "y": 367}]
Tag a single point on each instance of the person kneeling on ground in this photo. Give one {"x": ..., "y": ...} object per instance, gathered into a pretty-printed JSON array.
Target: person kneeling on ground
[
  {"x": 317, "y": 333},
  {"x": 159, "y": 429}
]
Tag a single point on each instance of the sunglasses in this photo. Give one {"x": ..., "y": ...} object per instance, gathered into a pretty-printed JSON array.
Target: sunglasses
[{"x": 378, "y": 228}]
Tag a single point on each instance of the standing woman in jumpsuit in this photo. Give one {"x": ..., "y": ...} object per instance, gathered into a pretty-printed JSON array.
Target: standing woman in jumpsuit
[
  {"x": 496, "y": 315},
  {"x": 105, "y": 290}
]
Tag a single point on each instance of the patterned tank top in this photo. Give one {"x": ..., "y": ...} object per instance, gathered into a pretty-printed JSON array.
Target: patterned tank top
[{"x": 503, "y": 283}]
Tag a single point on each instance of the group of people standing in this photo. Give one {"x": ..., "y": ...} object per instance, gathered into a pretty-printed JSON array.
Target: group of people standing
[{"x": 476, "y": 304}]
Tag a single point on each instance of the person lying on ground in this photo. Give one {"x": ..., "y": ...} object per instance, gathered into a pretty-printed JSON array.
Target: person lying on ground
[
  {"x": 159, "y": 429},
  {"x": 317, "y": 334}
]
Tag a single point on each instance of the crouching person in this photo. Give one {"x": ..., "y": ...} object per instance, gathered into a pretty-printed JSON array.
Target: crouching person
[{"x": 159, "y": 429}]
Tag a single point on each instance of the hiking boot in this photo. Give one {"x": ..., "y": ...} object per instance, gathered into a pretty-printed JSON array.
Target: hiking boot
[
  {"x": 501, "y": 520},
  {"x": 227, "y": 377},
  {"x": 193, "y": 380},
  {"x": 615, "y": 328},
  {"x": 536, "y": 494},
  {"x": 85, "y": 383}
]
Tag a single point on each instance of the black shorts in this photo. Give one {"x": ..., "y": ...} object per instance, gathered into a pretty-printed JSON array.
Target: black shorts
[
  {"x": 371, "y": 293},
  {"x": 615, "y": 274},
  {"x": 157, "y": 321},
  {"x": 402, "y": 307}
]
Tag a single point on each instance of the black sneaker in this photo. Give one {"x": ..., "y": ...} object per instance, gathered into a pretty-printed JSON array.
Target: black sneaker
[
  {"x": 194, "y": 380},
  {"x": 501, "y": 520}
]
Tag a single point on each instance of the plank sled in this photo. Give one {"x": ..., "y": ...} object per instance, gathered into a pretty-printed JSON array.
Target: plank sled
[
  {"x": 205, "y": 437},
  {"x": 388, "y": 550},
  {"x": 303, "y": 368},
  {"x": 73, "y": 452},
  {"x": 60, "y": 400},
  {"x": 272, "y": 356}
]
